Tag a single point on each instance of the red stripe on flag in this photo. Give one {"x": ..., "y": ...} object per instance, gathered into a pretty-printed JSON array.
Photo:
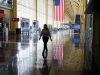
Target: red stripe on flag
[
  {"x": 63, "y": 9},
  {"x": 58, "y": 14},
  {"x": 55, "y": 13}
]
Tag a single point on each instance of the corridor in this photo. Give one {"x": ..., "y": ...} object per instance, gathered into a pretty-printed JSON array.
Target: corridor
[{"x": 23, "y": 55}]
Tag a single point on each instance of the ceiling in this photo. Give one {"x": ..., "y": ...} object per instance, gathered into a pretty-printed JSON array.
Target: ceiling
[{"x": 72, "y": 7}]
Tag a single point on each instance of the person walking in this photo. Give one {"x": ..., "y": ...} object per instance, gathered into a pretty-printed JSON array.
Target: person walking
[{"x": 45, "y": 33}]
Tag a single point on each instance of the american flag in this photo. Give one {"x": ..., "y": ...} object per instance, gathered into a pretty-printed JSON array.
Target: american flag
[{"x": 59, "y": 10}]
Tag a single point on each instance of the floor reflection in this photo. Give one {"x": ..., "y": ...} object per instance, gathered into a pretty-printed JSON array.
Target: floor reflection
[
  {"x": 8, "y": 62},
  {"x": 12, "y": 67},
  {"x": 76, "y": 40},
  {"x": 35, "y": 37},
  {"x": 25, "y": 56},
  {"x": 45, "y": 69},
  {"x": 58, "y": 54}
]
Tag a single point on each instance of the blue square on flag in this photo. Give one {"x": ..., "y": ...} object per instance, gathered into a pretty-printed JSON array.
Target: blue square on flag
[{"x": 57, "y": 2}]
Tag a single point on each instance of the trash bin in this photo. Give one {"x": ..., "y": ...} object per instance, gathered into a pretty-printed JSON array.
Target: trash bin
[{"x": 18, "y": 30}]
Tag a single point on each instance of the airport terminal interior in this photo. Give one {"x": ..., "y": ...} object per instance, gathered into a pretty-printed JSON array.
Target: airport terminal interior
[{"x": 74, "y": 46}]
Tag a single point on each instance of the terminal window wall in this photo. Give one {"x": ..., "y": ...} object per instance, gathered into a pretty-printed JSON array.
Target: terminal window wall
[
  {"x": 50, "y": 12},
  {"x": 25, "y": 9},
  {"x": 42, "y": 12}
]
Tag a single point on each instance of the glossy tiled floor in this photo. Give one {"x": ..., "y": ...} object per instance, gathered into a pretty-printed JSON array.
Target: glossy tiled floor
[{"x": 23, "y": 56}]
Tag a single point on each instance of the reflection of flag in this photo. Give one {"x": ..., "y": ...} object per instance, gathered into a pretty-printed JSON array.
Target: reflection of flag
[
  {"x": 58, "y": 10},
  {"x": 58, "y": 53}
]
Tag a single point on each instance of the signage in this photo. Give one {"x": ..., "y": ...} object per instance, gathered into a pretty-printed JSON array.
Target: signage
[
  {"x": 15, "y": 19},
  {"x": 2, "y": 15}
]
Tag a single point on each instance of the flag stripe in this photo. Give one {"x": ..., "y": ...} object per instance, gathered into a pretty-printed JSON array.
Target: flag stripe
[
  {"x": 59, "y": 11},
  {"x": 63, "y": 9}
]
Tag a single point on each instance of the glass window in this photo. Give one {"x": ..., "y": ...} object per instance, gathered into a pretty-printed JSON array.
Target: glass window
[
  {"x": 6, "y": 3},
  {"x": 25, "y": 9}
]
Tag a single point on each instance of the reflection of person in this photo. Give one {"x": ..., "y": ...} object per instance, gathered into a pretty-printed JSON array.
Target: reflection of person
[
  {"x": 45, "y": 33},
  {"x": 13, "y": 69},
  {"x": 45, "y": 69}
]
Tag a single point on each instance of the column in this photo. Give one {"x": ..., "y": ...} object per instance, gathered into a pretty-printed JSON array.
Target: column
[
  {"x": 46, "y": 6},
  {"x": 36, "y": 7},
  {"x": 96, "y": 44},
  {"x": 14, "y": 25}
]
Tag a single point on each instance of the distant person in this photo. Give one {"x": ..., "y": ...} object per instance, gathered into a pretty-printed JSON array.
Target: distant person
[{"x": 45, "y": 33}]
